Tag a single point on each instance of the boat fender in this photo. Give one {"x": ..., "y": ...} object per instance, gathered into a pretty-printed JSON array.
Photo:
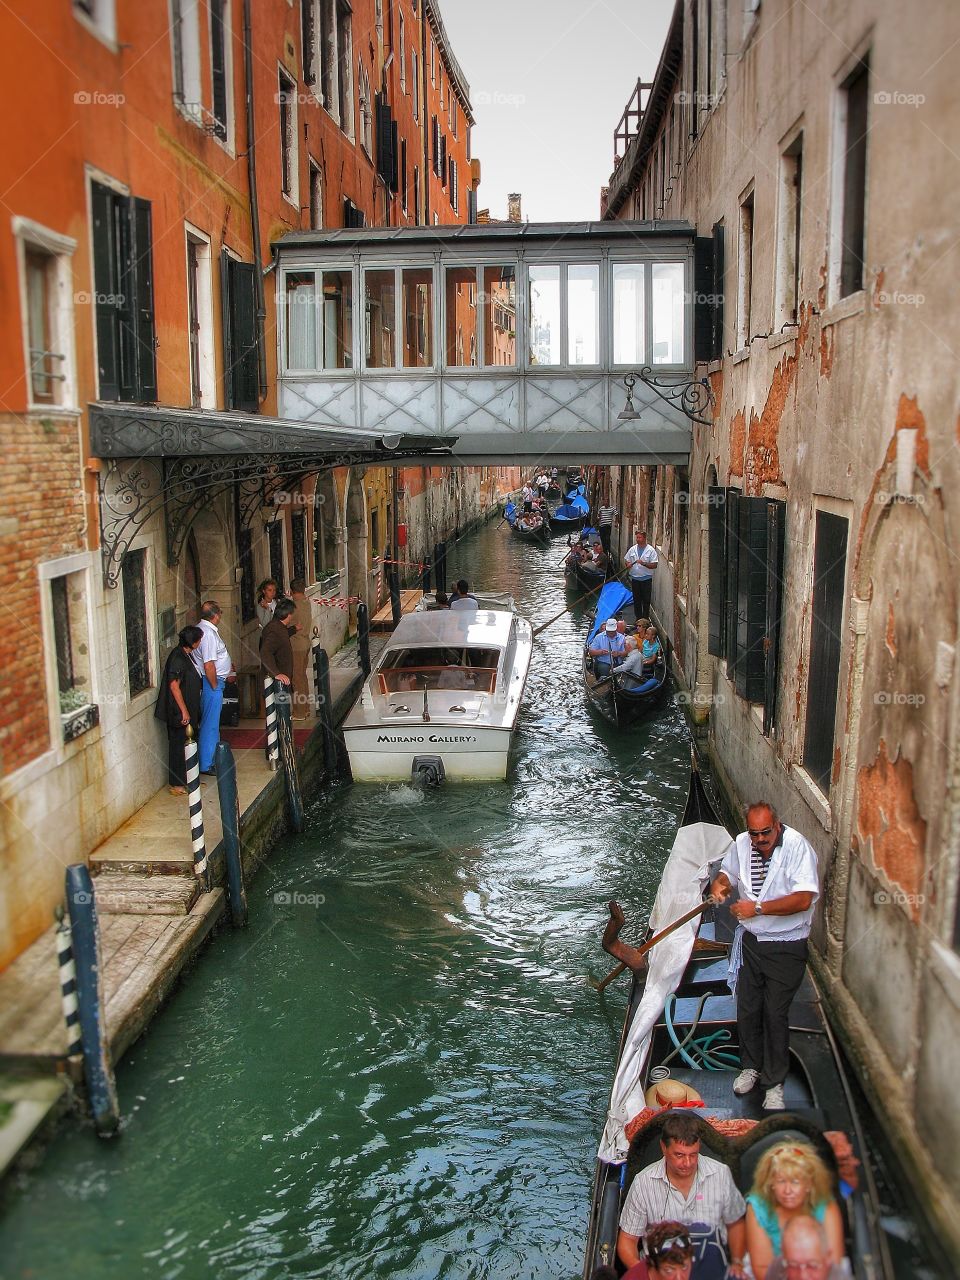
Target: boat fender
[{"x": 428, "y": 771}]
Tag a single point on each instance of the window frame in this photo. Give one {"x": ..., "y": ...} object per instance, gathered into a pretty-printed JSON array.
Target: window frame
[
  {"x": 206, "y": 348},
  {"x": 859, "y": 63},
  {"x": 33, "y": 237},
  {"x": 67, "y": 566},
  {"x": 289, "y": 151}
]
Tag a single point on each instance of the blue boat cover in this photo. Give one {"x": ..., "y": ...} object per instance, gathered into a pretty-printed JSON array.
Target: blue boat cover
[
  {"x": 567, "y": 511},
  {"x": 613, "y": 597},
  {"x": 510, "y": 512}
]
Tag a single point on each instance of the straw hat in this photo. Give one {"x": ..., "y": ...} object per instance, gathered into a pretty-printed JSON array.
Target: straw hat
[{"x": 670, "y": 1093}]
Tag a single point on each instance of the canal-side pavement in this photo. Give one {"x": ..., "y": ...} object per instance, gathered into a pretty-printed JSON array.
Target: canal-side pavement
[{"x": 153, "y": 921}]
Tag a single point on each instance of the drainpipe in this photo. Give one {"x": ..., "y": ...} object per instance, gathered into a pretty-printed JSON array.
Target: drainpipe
[{"x": 254, "y": 201}]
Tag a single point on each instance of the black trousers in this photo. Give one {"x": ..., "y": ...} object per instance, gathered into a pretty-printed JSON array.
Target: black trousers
[
  {"x": 176, "y": 763},
  {"x": 605, "y": 530},
  {"x": 642, "y": 591},
  {"x": 769, "y": 979}
]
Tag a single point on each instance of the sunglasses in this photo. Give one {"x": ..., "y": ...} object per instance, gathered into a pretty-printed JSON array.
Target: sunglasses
[
  {"x": 765, "y": 832},
  {"x": 665, "y": 1246}
]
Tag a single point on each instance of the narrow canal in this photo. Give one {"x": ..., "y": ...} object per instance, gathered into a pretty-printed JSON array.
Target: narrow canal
[{"x": 398, "y": 1070}]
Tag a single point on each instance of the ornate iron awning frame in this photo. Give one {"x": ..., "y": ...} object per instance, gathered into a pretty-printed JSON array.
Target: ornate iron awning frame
[
  {"x": 693, "y": 398},
  {"x": 180, "y": 461}
]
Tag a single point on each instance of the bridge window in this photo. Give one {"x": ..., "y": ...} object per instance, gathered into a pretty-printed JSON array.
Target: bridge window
[
  {"x": 545, "y": 315},
  {"x": 499, "y": 298},
  {"x": 629, "y": 341},
  {"x": 319, "y": 320},
  {"x": 418, "y": 317},
  {"x": 668, "y": 312},
  {"x": 461, "y": 316},
  {"x": 583, "y": 314},
  {"x": 380, "y": 299}
]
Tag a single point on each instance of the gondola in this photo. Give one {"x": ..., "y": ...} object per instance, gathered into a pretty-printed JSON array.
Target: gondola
[
  {"x": 682, "y": 998},
  {"x": 584, "y": 576},
  {"x": 622, "y": 699},
  {"x": 572, "y": 513},
  {"x": 531, "y": 527}
]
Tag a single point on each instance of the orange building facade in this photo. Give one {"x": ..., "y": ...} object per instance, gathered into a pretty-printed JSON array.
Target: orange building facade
[{"x": 168, "y": 146}]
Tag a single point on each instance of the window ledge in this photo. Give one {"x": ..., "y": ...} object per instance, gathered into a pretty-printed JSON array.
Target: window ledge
[
  {"x": 76, "y": 723},
  {"x": 817, "y": 802},
  {"x": 741, "y": 355},
  {"x": 140, "y": 701},
  {"x": 781, "y": 339},
  {"x": 854, "y": 305},
  {"x": 715, "y": 366},
  {"x": 36, "y": 412}
]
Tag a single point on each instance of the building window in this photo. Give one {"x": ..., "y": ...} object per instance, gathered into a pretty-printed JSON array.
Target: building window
[
  {"x": 583, "y": 313},
  {"x": 345, "y": 66},
  {"x": 185, "y": 39},
  {"x": 134, "y": 577},
  {"x": 402, "y": 55},
  {"x": 47, "y": 310},
  {"x": 123, "y": 283},
  {"x": 826, "y": 632},
  {"x": 433, "y": 64},
  {"x": 403, "y": 174},
  {"x": 309, "y": 32},
  {"x": 287, "y": 101},
  {"x": 316, "y": 196},
  {"x": 460, "y": 317},
  {"x": 68, "y": 598},
  {"x": 298, "y": 543},
  {"x": 850, "y": 183},
  {"x": 453, "y": 115},
  {"x": 788, "y": 233},
  {"x": 745, "y": 272},
  {"x": 366, "y": 112},
  {"x": 241, "y": 371},
  {"x": 499, "y": 302},
  {"x": 544, "y": 310},
  {"x": 248, "y": 606},
  {"x": 454, "y": 186},
  {"x": 417, "y": 296},
  {"x": 416, "y": 194},
  {"x": 99, "y": 15},
  {"x": 415, "y": 83},
  {"x": 319, "y": 322},
  {"x": 220, "y": 67},
  {"x": 200, "y": 321}
]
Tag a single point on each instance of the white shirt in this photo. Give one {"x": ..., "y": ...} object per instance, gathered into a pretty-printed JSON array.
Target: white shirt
[
  {"x": 713, "y": 1198},
  {"x": 464, "y": 602},
  {"x": 212, "y": 649},
  {"x": 793, "y": 869},
  {"x": 640, "y": 562}
]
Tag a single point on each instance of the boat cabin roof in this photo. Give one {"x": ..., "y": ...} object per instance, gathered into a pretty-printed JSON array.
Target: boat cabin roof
[{"x": 453, "y": 628}]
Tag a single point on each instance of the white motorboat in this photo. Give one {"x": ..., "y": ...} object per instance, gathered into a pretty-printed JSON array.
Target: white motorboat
[{"x": 443, "y": 698}]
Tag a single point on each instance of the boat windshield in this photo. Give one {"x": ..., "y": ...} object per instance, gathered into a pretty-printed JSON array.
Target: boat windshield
[{"x": 440, "y": 668}]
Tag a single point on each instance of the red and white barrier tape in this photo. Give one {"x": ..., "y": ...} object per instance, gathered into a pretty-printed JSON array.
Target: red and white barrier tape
[{"x": 337, "y": 602}]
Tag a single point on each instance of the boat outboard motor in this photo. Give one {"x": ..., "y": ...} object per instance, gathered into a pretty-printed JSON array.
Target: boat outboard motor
[{"x": 428, "y": 771}]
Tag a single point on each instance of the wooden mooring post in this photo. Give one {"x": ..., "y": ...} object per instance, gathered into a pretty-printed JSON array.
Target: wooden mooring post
[
  {"x": 288, "y": 753},
  {"x": 321, "y": 680},
  {"x": 226, "y": 767}
]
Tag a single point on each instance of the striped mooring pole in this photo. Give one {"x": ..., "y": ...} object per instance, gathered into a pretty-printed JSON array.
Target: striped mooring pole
[
  {"x": 363, "y": 637},
  {"x": 288, "y": 754},
  {"x": 101, "y": 1088},
  {"x": 201, "y": 865},
  {"x": 270, "y": 712},
  {"x": 226, "y": 767},
  {"x": 68, "y": 984}
]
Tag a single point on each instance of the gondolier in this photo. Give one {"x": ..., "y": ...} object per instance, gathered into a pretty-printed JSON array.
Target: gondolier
[
  {"x": 775, "y": 870},
  {"x": 606, "y": 514},
  {"x": 641, "y": 560}
]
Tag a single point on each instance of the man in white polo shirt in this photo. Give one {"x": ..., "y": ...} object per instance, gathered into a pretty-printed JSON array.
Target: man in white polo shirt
[
  {"x": 214, "y": 664},
  {"x": 641, "y": 560},
  {"x": 774, "y": 868}
]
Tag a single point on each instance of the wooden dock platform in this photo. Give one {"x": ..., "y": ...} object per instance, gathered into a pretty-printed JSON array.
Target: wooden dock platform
[{"x": 382, "y": 620}]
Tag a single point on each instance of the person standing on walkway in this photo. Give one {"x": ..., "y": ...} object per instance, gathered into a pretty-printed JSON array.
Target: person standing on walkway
[
  {"x": 266, "y": 600},
  {"x": 214, "y": 663},
  {"x": 641, "y": 560},
  {"x": 606, "y": 514},
  {"x": 276, "y": 650},
  {"x": 179, "y": 705},
  {"x": 774, "y": 868},
  {"x": 302, "y": 641}
]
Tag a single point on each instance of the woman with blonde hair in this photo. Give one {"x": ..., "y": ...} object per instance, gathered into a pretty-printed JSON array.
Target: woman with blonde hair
[{"x": 791, "y": 1181}]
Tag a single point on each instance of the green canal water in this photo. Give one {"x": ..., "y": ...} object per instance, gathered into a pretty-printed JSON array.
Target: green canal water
[{"x": 399, "y": 1068}]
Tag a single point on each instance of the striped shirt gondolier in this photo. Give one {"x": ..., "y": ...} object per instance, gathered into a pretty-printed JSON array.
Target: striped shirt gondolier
[{"x": 606, "y": 515}]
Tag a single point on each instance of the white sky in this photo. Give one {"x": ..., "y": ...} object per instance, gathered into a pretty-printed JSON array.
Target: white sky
[{"x": 549, "y": 80}]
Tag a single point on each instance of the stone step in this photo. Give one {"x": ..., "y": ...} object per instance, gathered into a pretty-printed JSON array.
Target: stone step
[{"x": 145, "y": 895}]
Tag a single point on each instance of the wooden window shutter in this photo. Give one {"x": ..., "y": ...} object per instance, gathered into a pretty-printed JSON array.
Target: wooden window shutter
[
  {"x": 718, "y": 294},
  {"x": 776, "y": 522},
  {"x": 238, "y": 295},
  {"x": 394, "y": 182},
  {"x": 106, "y": 288},
  {"x": 385, "y": 136},
  {"x": 702, "y": 296},
  {"x": 716, "y": 535},
  {"x": 730, "y": 583},
  {"x": 760, "y": 537},
  {"x": 143, "y": 317},
  {"x": 218, "y": 68}
]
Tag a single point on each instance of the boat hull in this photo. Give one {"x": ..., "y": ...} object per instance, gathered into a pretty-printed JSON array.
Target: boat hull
[{"x": 380, "y": 754}]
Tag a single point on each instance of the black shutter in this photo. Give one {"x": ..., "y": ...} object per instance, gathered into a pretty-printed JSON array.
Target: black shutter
[
  {"x": 275, "y": 544},
  {"x": 241, "y": 373},
  {"x": 776, "y": 521},
  {"x": 730, "y": 585},
  {"x": 144, "y": 326},
  {"x": 308, "y": 37},
  {"x": 298, "y": 537},
  {"x": 718, "y": 295},
  {"x": 826, "y": 637},
  {"x": 436, "y": 147},
  {"x": 248, "y": 609},
  {"x": 106, "y": 287},
  {"x": 749, "y": 668},
  {"x": 218, "y": 67},
  {"x": 443, "y": 160},
  {"x": 127, "y": 318},
  {"x": 703, "y": 299},
  {"x": 717, "y": 531},
  {"x": 385, "y": 135},
  {"x": 395, "y": 157}
]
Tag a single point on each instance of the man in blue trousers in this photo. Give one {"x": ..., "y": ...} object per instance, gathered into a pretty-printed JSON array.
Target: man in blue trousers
[{"x": 215, "y": 664}]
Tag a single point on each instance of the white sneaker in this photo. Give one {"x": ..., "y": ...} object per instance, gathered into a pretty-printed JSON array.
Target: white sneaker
[
  {"x": 745, "y": 1081},
  {"x": 773, "y": 1098}
]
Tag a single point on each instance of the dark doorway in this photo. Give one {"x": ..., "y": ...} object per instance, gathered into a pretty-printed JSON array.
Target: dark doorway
[{"x": 829, "y": 573}]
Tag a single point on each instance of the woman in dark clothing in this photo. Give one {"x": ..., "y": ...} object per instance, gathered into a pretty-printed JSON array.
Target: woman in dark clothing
[{"x": 179, "y": 705}]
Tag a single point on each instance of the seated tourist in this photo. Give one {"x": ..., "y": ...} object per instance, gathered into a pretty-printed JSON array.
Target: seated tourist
[
  {"x": 608, "y": 647},
  {"x": 697, "y": 1192},
  {"x": 667, "y": 1254},
  {"x": 456, "y": 678},
  {"x": 806, "y": 1254},
  {"x": 442, "y": 600},
  {"x": 630, "y": 672},
  {"x": 650, "y": 648},
  {"x": 463, "y": 599},
  {"x": 791, "y": 1182}
]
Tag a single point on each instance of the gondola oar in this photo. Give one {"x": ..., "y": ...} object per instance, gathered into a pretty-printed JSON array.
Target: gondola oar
[
  {"x": 568, "y": 607},
  {"x": 657, "y": 937}
]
